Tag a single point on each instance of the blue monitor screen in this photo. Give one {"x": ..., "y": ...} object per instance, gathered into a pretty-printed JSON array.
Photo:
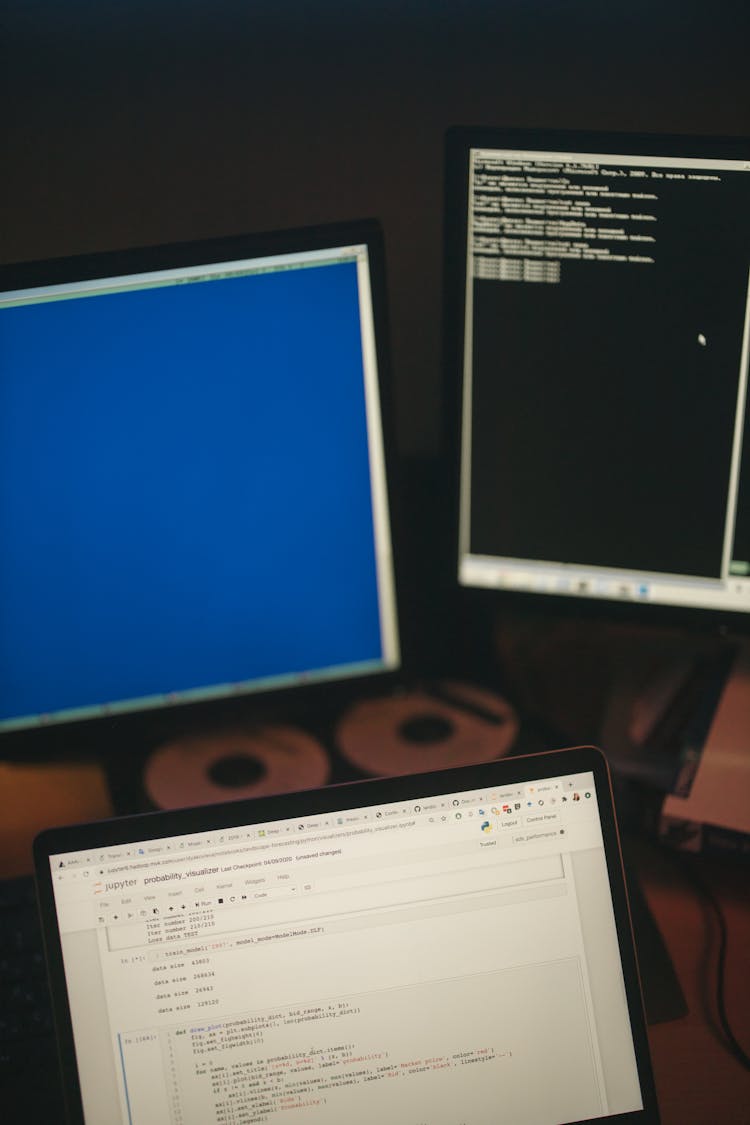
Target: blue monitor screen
[{"x": 191, "y": 493}]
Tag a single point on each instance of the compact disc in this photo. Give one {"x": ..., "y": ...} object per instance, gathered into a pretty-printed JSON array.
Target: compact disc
[
  {"x": 232, "y": 764},
  {"x": 451, "y": 724}
]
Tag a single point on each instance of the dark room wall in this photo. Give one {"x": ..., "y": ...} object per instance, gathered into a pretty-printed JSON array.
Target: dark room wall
[{"x": 130, "y": 122}]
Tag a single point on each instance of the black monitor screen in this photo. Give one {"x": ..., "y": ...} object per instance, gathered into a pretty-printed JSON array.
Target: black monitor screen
[
  {"x": 600, "y": 286},
  {"x": 193, "y": 495}
]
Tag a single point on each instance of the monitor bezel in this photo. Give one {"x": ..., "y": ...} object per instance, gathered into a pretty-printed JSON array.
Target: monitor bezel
[
  {"x": 459, "y": 140},
  {"x": 136, "y": 731}
]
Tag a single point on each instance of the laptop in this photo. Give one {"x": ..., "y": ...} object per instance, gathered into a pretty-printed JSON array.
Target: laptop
[{"x": 445, "y": 948}]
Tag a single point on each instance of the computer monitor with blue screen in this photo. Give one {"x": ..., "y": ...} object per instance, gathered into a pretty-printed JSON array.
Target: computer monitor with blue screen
[
  {"x": 194, "y": 502},
  {"x": 598, "y": 333}
]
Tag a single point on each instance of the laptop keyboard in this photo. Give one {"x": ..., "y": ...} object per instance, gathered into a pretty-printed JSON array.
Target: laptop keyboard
[{"x": 29, "y": 1084}]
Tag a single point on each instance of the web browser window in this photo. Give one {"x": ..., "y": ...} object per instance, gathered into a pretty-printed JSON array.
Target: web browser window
[{"x": 416, "y": 962}]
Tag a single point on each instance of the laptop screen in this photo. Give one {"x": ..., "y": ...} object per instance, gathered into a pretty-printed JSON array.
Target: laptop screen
[{"x": 423, "y": 958}]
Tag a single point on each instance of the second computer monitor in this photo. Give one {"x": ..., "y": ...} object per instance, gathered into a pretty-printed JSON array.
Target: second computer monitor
[{"x": 598, "y": 315}]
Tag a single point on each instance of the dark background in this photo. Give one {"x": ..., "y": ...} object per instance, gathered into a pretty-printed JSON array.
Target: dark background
[{"x": 134, "y": 122}]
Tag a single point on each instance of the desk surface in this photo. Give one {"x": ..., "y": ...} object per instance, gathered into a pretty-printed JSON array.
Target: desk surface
[{"x": 698, "y": 1081}]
